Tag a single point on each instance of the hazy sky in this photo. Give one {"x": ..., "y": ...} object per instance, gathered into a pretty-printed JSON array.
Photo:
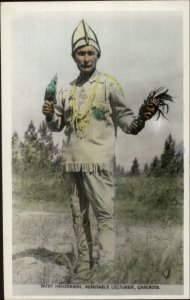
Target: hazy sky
[{"x": 143, "y": 50}]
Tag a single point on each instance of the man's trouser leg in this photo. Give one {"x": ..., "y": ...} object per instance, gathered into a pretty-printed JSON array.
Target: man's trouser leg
[
  {"x": 81, "y": 223},
  {"x": 100, "y": 190}
]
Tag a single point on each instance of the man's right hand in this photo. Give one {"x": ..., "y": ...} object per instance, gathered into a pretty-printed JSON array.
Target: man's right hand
[{"x": 48, "y": 109}]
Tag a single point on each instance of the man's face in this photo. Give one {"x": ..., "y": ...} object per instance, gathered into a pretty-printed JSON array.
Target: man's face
[{"x": 86, "y": 59}]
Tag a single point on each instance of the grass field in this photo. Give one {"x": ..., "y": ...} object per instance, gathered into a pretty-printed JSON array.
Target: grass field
[{"x": 149, "y": 226}]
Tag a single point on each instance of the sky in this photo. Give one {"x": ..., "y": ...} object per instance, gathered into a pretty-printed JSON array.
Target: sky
[{"x": 142, "y": 49}]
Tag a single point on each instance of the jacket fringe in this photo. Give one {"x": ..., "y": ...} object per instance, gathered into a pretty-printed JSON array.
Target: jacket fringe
[{"x": 86, "y": 167}]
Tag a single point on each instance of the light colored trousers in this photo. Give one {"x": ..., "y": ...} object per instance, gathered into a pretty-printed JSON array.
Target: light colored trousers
[{"x": 97, "y": 189}]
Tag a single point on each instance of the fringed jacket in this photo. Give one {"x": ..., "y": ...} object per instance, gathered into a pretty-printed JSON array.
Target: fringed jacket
[{"x": 90, "y": 115}]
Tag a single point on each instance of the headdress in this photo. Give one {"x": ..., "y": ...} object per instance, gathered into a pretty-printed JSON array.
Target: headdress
[{"x": 83, "y": 36}]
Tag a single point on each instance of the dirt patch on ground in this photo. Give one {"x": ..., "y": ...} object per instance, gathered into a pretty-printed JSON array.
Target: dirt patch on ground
[{"x": 44, "y": 248}]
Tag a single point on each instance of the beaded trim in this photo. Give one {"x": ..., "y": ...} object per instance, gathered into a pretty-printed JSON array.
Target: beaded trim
[{"x": 80, "y": 120}]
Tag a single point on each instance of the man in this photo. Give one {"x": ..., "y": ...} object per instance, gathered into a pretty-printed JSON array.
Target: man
[{"x": 89, "y": 110}]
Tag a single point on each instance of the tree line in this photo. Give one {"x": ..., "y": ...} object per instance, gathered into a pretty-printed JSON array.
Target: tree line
[
  {"x": 36, "y": 150},
  {"x": 169, "y": 163}
]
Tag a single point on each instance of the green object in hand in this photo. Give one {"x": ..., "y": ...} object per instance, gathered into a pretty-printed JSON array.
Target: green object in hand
[{"x": 50, "y": 93}]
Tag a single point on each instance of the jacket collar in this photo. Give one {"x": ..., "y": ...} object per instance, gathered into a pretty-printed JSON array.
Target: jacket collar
[{"x": 91, "y": 79}]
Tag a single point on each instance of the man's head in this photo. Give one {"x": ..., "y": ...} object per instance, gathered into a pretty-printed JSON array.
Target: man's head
[
  {"x": 85, "y": 48},
  {"x": 86, "y": 59}
]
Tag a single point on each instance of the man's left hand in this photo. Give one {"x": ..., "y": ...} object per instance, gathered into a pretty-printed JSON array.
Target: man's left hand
[{"x": 137, "y": 125}]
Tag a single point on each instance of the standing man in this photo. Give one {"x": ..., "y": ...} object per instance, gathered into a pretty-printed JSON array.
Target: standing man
[{"x": 89, "y": 110}]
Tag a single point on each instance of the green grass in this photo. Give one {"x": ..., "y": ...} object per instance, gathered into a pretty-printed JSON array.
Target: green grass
[
  {"x": 42, "y": 188},
  {"x": 150, "y": 199},
  {"x": 138, "y": 199}
]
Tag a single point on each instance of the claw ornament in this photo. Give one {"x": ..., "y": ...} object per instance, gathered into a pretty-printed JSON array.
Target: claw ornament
[{"x": 155, "y": 103}]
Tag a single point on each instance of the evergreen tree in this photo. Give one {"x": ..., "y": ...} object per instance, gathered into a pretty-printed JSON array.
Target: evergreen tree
[
  {"x": 168, "y": 153},
  {"x": 178, "y": 164},
  {"x": 37, "y": 150},
  {"x": 146, "y": 168},
  {"x": 171, "y": 162},
  {"x": 135, "y": 167},
  {"x": 155, "y": 166},
  {"x": 16, "y": 153},
  {"x": 46, "y": 146},
  {"x": 29, "y": 148},
  {"x": 45, "y": 135},
  {"x": 30, "y": 134}
]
